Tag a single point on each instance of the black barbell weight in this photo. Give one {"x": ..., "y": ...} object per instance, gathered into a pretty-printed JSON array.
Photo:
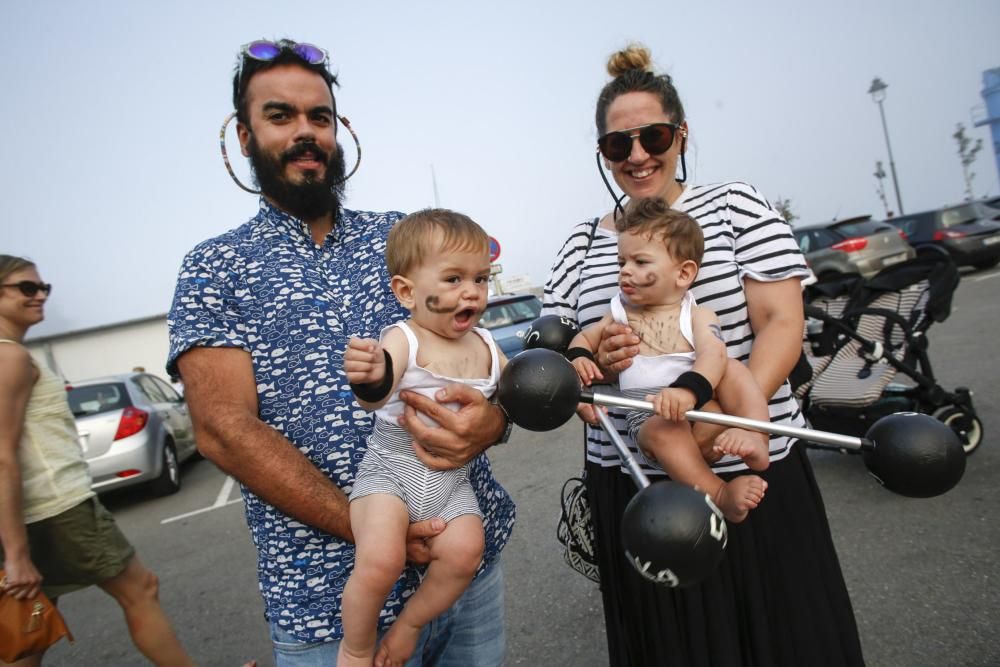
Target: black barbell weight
[
  {"x": 551, "y": 332},
  {"x": 909, "y": 453}
]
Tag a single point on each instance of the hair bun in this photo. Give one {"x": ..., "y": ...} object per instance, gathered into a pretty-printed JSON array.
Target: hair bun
[{"x": 635, "y": 56}]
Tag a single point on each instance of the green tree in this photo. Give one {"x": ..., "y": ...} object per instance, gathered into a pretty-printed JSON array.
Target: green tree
[
  {"x": 784, "y": 207},
  {"x": 967, "y": 153}
]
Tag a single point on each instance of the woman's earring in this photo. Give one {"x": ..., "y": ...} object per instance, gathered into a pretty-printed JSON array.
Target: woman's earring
[{"x": 684, "y": 168}]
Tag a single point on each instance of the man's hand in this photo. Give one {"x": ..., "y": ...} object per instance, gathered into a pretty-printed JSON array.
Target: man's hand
[
  {"x": 672, "y": 403},
  {"x": 417, "y": 549},
  {"x": 22, "y": 579},
  {"x": 618, "y": 345},
  {"x": 460, "y": 435},
  {"x": 364, "y": 362}
]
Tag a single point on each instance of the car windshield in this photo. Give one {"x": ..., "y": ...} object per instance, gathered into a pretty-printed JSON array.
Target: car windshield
[
  {"x": 959, "y": 215},
  {"x": 511, "y": 312},
  {"x": 94, "y": 399}
]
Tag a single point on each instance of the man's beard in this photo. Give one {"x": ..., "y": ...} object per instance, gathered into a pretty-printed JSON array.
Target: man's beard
[{"x": 310, "y": 199}]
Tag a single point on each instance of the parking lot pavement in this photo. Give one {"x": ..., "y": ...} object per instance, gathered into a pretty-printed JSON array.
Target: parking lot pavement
[{"x": 922, "y": 573}]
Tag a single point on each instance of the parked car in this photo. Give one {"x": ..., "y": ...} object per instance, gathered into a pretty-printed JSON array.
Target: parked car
[
  {"x": 970, "y": 232},
  {"x": 507, "y": 317},
  {"x": 855, "y": 245},
  {"x": 134, "y": 428}
]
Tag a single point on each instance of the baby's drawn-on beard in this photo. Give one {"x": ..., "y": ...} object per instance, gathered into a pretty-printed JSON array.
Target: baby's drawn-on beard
[{"x": 432, "y": 305}]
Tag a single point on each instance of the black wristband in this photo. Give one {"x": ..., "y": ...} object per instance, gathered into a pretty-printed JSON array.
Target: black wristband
[
  {"x": 698, "y": 384},
  {"x": 373, "y": 393},
  {"x": 577, "y": 352}
]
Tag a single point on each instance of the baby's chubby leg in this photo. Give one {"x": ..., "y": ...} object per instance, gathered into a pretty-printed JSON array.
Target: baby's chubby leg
[
  {"x": 740, "y": 395},
  {"x": 379, "y": 523},
  {"x": 455, "y": 557},
  {"x": 678, "y": 454}
]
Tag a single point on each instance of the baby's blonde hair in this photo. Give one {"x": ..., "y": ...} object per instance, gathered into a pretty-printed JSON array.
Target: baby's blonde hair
[{"x": 410, "y": 239}]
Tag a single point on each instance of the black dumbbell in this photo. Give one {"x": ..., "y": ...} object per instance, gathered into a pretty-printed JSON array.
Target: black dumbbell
[
  {"x": 551, "y": 332},
  {"x": 909, "y": 453}
]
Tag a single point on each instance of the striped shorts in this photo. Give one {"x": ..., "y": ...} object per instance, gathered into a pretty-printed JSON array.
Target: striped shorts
[{"x": 390, "y": 466}]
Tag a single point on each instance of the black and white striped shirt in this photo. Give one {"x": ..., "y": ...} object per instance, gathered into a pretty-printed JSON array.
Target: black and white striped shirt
[{"x": 744, "y": 238}]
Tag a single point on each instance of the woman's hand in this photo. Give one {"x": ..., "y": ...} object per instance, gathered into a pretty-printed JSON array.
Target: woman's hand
[
  {"x": 22, "y": 579},
  {"x": 618, "y": 345},
  {"x": 461, "y": 435}
]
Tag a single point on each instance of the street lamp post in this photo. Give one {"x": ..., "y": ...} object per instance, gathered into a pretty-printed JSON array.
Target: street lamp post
[{"x": 877, "y": 91}]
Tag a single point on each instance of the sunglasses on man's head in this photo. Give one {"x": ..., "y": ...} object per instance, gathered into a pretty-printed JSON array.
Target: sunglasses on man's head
[
  {"x": 30, "y": 288},
  {"x": 265, "y": 50},
  {"x": 655, "y": 138}
]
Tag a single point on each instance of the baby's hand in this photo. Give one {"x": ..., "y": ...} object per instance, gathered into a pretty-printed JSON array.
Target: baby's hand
[
  {"x": 671, "y": 403},
  {"x": 364, "y": 361},
  {"x": 587, "y": 370}
]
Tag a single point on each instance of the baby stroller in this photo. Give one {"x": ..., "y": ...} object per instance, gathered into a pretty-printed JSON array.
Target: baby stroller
[{"x": 866, "y": 347}]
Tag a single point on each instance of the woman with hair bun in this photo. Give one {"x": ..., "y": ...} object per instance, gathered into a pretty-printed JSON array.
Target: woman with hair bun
[{"x": 779, "y": 597}]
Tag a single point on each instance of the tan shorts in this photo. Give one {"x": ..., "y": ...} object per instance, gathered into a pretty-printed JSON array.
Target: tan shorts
[{"x": 81, "y": 547}]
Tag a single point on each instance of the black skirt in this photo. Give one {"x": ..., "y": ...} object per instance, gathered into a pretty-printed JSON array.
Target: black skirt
[{"x": 777, "y": 599}]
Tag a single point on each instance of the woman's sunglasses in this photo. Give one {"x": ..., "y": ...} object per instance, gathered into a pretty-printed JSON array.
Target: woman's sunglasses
[
  {"x": 655, "y": 138},
  {"x": 29, "y": 288}
]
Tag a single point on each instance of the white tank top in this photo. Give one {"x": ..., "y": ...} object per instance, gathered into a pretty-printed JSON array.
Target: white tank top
[
  {"x": 661, "y": 369},
  {"x": 422, "y": 381},
  {"x": 54, "y": 474}
]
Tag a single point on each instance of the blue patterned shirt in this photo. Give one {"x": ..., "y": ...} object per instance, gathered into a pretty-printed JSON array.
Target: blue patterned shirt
[{"x": 268, "y": 288}]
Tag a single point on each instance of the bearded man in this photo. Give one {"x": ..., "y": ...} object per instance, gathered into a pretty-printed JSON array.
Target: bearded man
[{"x": 259, "y": 324}]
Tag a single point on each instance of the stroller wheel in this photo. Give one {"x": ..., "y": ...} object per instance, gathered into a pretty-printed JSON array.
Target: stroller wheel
[{"x": 967, "y": 426}]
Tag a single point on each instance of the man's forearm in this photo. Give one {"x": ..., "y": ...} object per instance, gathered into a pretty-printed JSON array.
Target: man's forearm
[{"x": 268, "y": 464}]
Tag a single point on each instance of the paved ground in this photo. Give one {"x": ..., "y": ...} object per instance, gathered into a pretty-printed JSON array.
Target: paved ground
[{"x": 923, "y": 574}]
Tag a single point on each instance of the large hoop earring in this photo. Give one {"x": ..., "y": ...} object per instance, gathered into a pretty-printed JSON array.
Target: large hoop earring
[{"x": 225, "y": 155}]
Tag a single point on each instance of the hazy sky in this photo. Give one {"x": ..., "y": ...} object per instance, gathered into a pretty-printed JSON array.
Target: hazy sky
[{"x": 111, "y": 171}]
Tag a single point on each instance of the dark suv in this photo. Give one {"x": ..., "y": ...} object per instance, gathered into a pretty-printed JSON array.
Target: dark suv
[{"x": 970, "y": 232}]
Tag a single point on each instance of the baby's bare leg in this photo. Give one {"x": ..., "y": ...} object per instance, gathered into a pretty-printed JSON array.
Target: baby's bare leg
[
  {"x": 680, "y": 457},
  {"x": 740, "y": 395},
  {"x": 379, "y": 522},
  {"x": 455, "y": 557}
]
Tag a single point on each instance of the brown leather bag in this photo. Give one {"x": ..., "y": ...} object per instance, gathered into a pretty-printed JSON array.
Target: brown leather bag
[{"x": 28, "y": 627}]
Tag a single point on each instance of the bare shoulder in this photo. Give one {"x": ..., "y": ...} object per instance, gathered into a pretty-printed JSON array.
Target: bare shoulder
[{"x": 15, "y": 361}]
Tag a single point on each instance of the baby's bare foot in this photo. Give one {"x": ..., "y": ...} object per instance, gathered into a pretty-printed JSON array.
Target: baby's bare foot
[
  {"x": 750, "y": 446},
  {"x": 398, "y": 645},
  {"x": 737, "y": 497}
]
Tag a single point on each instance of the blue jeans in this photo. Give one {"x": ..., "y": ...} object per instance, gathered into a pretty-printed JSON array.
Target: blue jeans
[{"x": 470, "y": 634}]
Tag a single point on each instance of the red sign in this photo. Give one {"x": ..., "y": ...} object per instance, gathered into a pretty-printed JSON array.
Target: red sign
[{"x": 494, "y": 249}]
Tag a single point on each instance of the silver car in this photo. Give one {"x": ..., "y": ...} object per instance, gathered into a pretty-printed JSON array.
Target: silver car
[
  {"x": 133, "y": 428},
  {"x": 856, "y": 245}
]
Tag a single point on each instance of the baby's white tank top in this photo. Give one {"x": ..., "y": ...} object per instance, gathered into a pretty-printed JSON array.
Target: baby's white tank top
[{"x": 662, "y": 369}]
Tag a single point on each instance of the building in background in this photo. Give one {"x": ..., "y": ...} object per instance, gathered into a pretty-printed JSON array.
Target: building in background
[
  {"x": 106, "y": 350},
  {"x": 991, "y": 97}
]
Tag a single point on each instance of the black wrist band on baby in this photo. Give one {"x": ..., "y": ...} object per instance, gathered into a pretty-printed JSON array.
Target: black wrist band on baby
[
  {"x": 373, "y": 393},
  {"x": 577, "y": 352},
  {"x": 698, "y": 384}
]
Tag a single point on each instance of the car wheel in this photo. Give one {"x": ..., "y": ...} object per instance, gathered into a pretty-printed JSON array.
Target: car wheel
[
  {"x": 967, "y": 426},
  {"x": 169, "y": 480}
]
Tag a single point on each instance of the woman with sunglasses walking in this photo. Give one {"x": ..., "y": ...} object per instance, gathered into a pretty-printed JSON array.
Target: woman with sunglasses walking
[
  {"x": 778, "y": 597},
  {"x": 54, "y": 534}
]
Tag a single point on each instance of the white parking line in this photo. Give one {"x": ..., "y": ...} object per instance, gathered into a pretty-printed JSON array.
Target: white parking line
[
  {"x": 220, "y": 501},
  {"x": 992, "y": 275}
]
